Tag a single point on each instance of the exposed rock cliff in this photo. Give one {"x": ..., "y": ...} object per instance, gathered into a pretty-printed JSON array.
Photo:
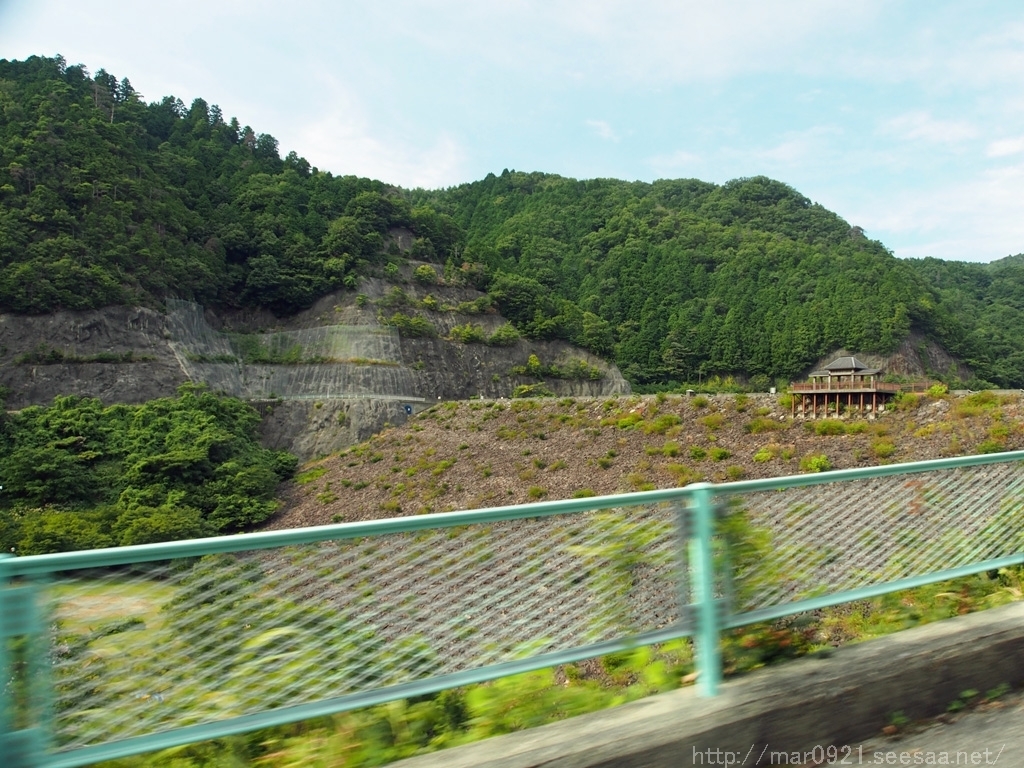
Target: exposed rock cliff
[{"x": 323, "y": 379}]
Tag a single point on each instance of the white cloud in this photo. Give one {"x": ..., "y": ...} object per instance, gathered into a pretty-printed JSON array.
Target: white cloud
[
  {"x": 343, "y": 146},
  {"x": 921, "y": 126},
  {"x": 603, "y": 130},
  {"x": 673, "y": 163},
  {"x": 976, "y": 220},
  {"x": 1005, "y": 147},
  {"x": 343, "y": 140},
  {"x": 618, "y": 42}
]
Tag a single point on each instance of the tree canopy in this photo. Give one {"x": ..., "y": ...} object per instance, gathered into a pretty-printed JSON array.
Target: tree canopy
[
  {"x": 78, "y": 474},
  {"x": 106, "y": 199}
]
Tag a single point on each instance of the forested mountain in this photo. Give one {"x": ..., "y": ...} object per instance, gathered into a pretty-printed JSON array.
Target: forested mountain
[
  {"x": 108, "y": 199},
  {"x": 988, "y": 302},
  {"x": 688, "y": 277},
  {"x": 105, "y": 198}
]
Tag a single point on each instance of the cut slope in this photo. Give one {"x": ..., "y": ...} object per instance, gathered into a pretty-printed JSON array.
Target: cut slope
[{"x": 464, "y": 455}]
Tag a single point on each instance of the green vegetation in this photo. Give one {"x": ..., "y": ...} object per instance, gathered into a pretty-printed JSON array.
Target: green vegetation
[
  {"x": 411, "y": 326},
  {"x": 108, "y": 199},
  {"x": 573, "y": 369},
  {"x": 817, "y": 462},
  {"x": 469, "y": 333},
  {"x": 78, "y": 474}
]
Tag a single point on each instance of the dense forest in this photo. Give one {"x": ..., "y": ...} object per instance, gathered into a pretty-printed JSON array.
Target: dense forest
[
  {"x": 78, "y": 474},
  {"x": 110, "y": 199}
]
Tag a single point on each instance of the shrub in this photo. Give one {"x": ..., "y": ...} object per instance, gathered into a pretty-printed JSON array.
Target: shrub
[
  {"x": 762, "y": 424},
  {"x": 906, "y": 401},
  {"x": 720, "y": 454},
  {"x": 504, "y": 336},
  {"x": 425, "y": 275},
  {"x": 990, "y": 446},
  {"x": 629, "y": 421},
  {"x": 829, "y": 427},
  {"x": 740, "y": 402},
  {"x": 468, "y": 334},
  {"x": 735, "y": 472},
  {"x": 413, "y": 327},
  {"x": 661, "y": 424},
  {"x": 697, "y": 453},
  {"x": 937, "y": 390},
  {"x": 764, "y": 454},
  {"x": 575, "y": 369},
  {"x": 532, "y": 390},
  {"x": 536, "y": 492},
  {"x": 670, "y": 449},
  {"x": 700, "y": 401},
  {"x": 883, "y": 449},
  {"x": 815, "y": 462},
  {"x": 396, "y": 297},
  {"x": 583, "y": 493},
  {"x": 713, "y": 421}
]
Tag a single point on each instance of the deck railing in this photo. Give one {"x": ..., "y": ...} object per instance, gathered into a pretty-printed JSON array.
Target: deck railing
[
  {"x": 862, "y": 386},
  {"x": 109, "y": 653}
]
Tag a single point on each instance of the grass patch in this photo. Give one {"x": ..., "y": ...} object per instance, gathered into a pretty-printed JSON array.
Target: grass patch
[
  {"x": 713, "y": 421},
  {"x": 815, "y": 462},
  {"x": 828, "y": 427},
  {"x": 310, "y": 475},
  {"x": 661, "y": 424}
]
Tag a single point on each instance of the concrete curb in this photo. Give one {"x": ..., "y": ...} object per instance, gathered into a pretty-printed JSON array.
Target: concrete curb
[{"x": 836, "y": 700}]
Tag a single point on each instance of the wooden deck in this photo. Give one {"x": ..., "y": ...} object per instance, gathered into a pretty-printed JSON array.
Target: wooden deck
[{"x": 833, "y": 397}]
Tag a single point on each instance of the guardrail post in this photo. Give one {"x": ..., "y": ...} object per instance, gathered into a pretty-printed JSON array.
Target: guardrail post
[
  {"x": 702, "y": 576},
  {"x": 20, "y": 742}
]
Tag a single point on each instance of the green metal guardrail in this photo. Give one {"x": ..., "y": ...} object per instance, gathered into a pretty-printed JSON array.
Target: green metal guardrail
[{"x": 108, "y": 653}]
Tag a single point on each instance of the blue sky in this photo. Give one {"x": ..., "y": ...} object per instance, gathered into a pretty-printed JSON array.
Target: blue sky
[{"x": 906, "y": 118}]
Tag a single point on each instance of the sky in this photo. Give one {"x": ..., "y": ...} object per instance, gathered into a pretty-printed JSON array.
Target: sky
[{"x": 904, "y": 117}]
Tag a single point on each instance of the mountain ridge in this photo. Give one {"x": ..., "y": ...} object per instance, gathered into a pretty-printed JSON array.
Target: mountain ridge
[{"x": 109, "y": 200}]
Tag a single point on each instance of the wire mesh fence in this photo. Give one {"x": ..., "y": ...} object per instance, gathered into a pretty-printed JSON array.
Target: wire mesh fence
[
  {"x": 148, "y": 646},
  {"x": 825, "y": 539},
  {"x": 175, "y": 643},
  {"x": 326, "y": 361}
]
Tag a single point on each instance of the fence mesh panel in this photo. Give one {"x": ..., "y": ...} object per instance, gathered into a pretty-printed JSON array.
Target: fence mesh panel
[
  {"x": 148, "y": 648},
  {"x": 803, "y": 542}
]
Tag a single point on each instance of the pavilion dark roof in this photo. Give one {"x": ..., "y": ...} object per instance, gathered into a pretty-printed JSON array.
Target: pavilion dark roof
[{"x": 849, "y": 364}]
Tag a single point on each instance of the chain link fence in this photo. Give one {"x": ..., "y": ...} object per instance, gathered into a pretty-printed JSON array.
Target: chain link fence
[
  {"x": 802, "y": 543},
  {"x": 163, "y": 645},
  {"x": 121, "y": 651}
]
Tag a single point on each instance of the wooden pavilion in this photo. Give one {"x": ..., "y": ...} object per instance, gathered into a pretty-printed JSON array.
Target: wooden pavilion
[{"x": 846, "y": 383}]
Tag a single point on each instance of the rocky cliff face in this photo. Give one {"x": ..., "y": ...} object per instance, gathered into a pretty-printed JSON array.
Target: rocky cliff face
[
  {"x": 916, "y": 357},
  {"x": 118, "y": 354},
  {"x": 326, "y": 378}
]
